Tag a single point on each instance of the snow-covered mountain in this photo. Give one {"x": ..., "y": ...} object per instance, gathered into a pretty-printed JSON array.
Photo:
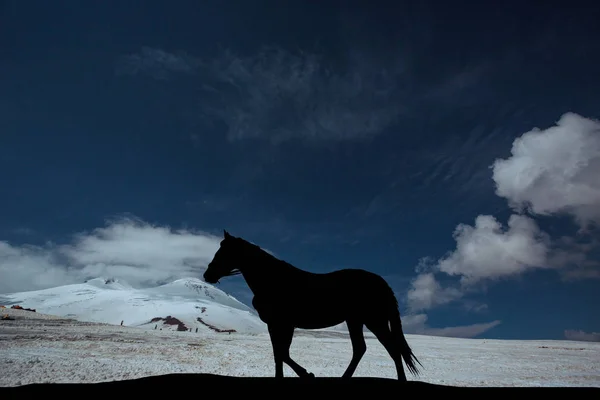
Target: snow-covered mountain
[{"x": 190, "y": 303}]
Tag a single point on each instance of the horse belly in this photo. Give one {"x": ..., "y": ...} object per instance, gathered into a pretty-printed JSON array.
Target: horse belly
[
  {"x": 303, "y": 315},
  {"x": 317, "y": 323},
  {"x": 317, "y": 316}
]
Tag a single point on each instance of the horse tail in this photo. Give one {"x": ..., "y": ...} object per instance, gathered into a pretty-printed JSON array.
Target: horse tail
[{"x": 396, "y": 328}]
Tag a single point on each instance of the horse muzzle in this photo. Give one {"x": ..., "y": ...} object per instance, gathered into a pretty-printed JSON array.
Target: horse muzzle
[{"x": 209, "y": 278}]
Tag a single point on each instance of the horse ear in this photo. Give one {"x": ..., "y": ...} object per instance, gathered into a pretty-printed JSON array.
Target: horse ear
[{"x": 226, "y": 234}]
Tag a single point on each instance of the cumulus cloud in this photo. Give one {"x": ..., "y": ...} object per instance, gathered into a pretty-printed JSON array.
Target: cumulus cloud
[
  {"x": 426, "y": 292},
  {"x": 582, "y": 336},
  {"x": 135, "y": 251},
  {"x": 488, "y": 251},
  {"x": 554, "y": 170},
  {"x": 485, "y": 251},
  {"x": 550, "y": 172},
  {"x": 417, "y": 324}
]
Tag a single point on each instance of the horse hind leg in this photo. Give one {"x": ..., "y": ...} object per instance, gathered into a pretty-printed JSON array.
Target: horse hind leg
[
  {"x": 281, "y": 339},
  {"x": 382, "y": 331},
  {"x": 359, "y": 347}
]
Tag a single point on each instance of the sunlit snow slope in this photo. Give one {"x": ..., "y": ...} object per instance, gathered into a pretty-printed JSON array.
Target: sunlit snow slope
[{"x": 196, "y": 304}]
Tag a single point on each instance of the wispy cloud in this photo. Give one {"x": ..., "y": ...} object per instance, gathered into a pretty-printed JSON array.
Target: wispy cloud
[
  {"x": 156, "y": 63},
  {"x": 23, "y": 231},
  {"x": 417, "y": 324},
  {"x": 460, "y": 159},
  {"x": 455, "y": 168},
  {"x": 550, "y": 172},
  {"x": 582, "y": 336},
  {"x": 278, "y": 95},
  {"x": 129, "y": 249}
]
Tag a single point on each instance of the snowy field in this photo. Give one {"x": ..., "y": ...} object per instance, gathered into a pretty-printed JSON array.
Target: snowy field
[{"x": 36, "y": 348}]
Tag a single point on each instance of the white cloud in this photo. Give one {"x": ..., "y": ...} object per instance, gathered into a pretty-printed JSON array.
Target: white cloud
[
  {"x": 550, "y": 172},
  {"x": 487, "y": 251},
  {"x": 411, "y": 323},
  {"x": 137, "y": 252},
  {"x": 30, "y": 267},
  {"x": 582, "y": 336},
  {"x": 426, "y": 292},
  {"x": 554, "y": 170},
  {"x": 417, "y": 324}
]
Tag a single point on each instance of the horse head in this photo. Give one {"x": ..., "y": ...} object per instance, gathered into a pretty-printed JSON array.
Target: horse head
[{"x": 226, "y": 261}]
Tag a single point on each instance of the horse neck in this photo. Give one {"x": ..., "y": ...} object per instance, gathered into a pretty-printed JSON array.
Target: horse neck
[{"x": 263, "y": 271}]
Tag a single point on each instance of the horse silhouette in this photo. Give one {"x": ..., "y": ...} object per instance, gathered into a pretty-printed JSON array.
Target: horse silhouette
[{"x": 287, "y": 298}]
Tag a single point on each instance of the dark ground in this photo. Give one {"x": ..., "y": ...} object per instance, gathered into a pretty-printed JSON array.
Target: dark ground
[{"x": 194, "y": 386}]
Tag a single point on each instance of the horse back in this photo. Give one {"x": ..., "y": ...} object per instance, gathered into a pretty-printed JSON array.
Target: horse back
[{"x": 313, "y": 300}]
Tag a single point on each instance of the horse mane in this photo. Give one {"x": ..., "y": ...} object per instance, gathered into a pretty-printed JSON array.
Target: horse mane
[{"x": 268, "y": 256}]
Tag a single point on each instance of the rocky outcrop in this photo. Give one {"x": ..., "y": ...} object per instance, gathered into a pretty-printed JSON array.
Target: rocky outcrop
[
  {"x": 214, "y": 328},
  {"x": 169, "y": 320},
  {"x": 17, "y": 307}
]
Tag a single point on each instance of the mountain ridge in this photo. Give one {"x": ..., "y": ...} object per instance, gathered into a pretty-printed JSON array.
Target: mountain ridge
[{"x": 193, "y": 303}]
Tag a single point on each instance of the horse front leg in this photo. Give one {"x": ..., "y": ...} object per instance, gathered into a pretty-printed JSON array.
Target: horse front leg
[
  {"x": 281, "y": 340},
  {"x": 276, "y": 343}
]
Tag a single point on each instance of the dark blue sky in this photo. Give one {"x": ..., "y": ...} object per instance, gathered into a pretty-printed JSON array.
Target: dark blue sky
[{"x": 335, "y": 133}]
